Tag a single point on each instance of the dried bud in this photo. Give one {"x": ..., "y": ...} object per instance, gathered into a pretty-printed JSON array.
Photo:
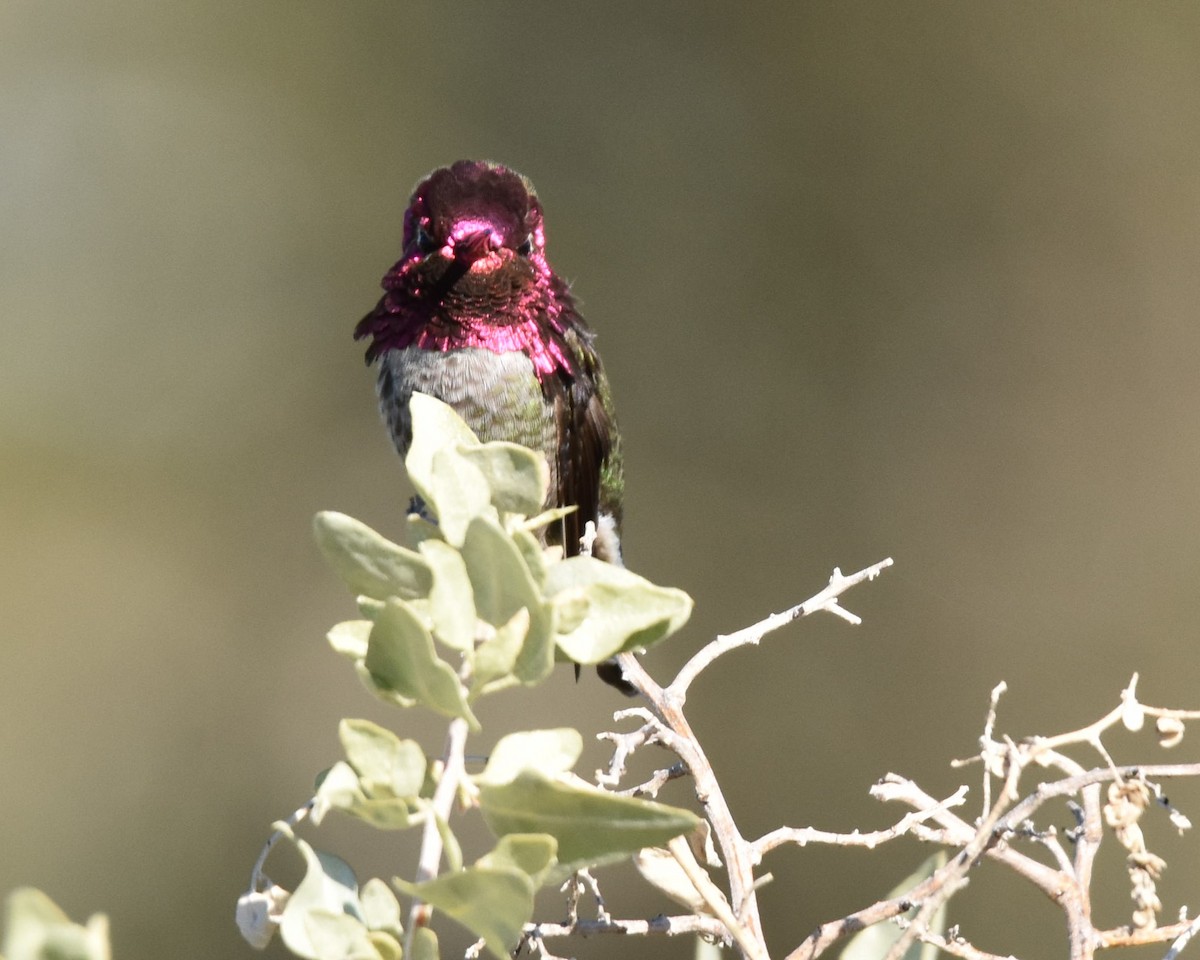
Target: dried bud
[
  {"x": 1170, "y": 731},
  {"x": 1133, "y": 714}
]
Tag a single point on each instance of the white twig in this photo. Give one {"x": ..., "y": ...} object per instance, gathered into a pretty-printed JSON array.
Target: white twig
[
  {"x": 258, "y": 880},
  {"x": 453, "y": 771},
  {"x": 826, "y": 600},
  {"x": 802, "y": 836}
]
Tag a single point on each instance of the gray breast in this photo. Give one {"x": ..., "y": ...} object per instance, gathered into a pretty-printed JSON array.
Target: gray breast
[{"x": 497, "y": 394}]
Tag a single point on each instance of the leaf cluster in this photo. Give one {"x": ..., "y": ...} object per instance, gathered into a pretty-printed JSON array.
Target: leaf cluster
[{"x": 477, "y": 604}]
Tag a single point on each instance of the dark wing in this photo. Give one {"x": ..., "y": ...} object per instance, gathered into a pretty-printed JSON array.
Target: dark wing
[{"x": 585, "y": 434}]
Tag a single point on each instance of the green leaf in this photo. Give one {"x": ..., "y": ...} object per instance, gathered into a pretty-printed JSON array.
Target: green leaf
[
  {"x": 424, "y": 944},
  {"x": 35, "y": 928},
  {"x": 335, "y": 936},
  {"x": 546, "y": 517},
  {"x": 624, "y": 611},
  {"x": 386, "y": 765},
  {"x": 591, "y": 826},
  {"x": 350, "y": 638},
  {"x": 401, "y": 658},
  {"x": 451, "y": 600},
  {"x": 494, "y": 659},
  {"x": 435, "y": 426},
  {"x": 458, "y": 492},
  {"x": 503, "y": 585},
  {"x": 329, "y": 888},
  {"x": 420, "y": 529},
  {"x": 517, "y": 476},
  {"x": 531, "y": 853},
  {"x": 549, "y": 752},
  {"x": 380, "y": 908},
  {"x": 875, "y": 941},
  {"x": 386, "y": 946},
  {"x": 341, "y": 789},
  {"x": 494, "y": 903},
  {"x": 370, "y": 564},
  {"x": 533, "y": 553}
]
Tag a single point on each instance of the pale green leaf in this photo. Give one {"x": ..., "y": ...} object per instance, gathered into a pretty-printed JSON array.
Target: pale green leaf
[
  {"x": 424, "y": 944},
  {"x": 533, "y": 553},
  {"x": 401, "y": 657},
  {"x": 517, "y": 476},
  {"x": 369, "y": 563},
  {"x": 386, "y": 765},
  {"x": 380, "y": 908},
  {"x": 494, "y": 903},
  {"x": 458, "y": 493},
  {"x": 590, "y": 825},
  {"x": 386, "y": 945},
  {"x": 451, "y": 599},
  {"x": 35, "y": 928},
  {"x": 336, "y": 936},
  {"x": 549, "y": 752},
  {"x": 503, "y": 585},
  {"x": 435, "y": 426},
  {"x": 350, "y": 637},
  {"x": 329, "y": 887},
  {"x": 493, "y": 661},
  {"x": 340, "y": 789},
  {"x": 531, "y": 853},
  {"x": 624, "y": 611}
]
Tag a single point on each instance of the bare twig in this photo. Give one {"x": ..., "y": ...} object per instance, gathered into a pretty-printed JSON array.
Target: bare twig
[
  {"x": 803, "y": 836},
  {"x": 826, "y": 600},
  {"x": 431, "y": 839}
]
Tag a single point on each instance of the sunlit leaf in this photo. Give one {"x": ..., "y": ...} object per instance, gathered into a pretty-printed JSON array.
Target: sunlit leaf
[
  {"x": 401, "y": 657},
  {"x": 624, "y": 611},
  {"x": 424, "y": 944},
  {"x": 517, "y": 476},
  {"x": 341, "y": 789},
  {"x": 435, "y": 426},
  {"x": 380, "y": 908},
  {"x": 369, "y": 563},
  {"x": 451, "y": 599},
  {"x": 335, "y": 936},
  {"x": 495, "y": 658},
  {"x": 503, "y": 585},
  {"x": 350, "y": 637},
  {"x": 590, "y": 825},
  {"x": 458, "y": 492},
  {"x": 549, "y": 752},
  {"x": 329, "y": 887},
  {"x": 386, "y": 765},
  {"x": 35, "y": 928},
  {"x": 494, "y": 903},
  {"x": 531, "y": 853}
]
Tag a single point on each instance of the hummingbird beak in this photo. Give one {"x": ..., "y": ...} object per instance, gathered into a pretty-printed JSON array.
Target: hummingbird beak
[
  {"x": 469, "y": 243},
  {"x": 470, "y": 246}
]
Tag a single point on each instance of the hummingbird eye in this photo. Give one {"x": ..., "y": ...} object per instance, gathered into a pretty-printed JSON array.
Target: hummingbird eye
[{"x": 526, "y": 247}]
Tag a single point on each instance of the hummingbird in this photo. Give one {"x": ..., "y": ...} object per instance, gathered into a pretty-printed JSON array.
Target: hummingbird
[{"x": 474, "y": 315}]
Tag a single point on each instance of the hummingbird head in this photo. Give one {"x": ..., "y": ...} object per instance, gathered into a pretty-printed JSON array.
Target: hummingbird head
[
  {"x": 474, "y": 229},
  {"x": 473, "y": 272}
]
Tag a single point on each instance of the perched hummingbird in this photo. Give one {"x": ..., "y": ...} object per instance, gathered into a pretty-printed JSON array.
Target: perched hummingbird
[{"x": 474, "y": 315}]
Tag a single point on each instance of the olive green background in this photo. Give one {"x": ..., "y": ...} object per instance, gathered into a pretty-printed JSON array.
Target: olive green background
[{"x": 915, "y": 280}]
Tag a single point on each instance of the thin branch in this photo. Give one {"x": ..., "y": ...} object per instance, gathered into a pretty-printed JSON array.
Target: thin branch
[
  {"x": 709, "y": 927},
  {"x": 826, "y": 600},
  {"x": 453, "y": 771},
  {"x": 803, "y": 836}
]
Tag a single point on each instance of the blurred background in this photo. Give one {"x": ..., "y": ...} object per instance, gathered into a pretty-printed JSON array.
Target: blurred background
[{"x": 869, "y": 280}]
